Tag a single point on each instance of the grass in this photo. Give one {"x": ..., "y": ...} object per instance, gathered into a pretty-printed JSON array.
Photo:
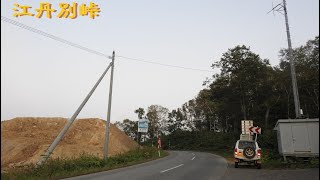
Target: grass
[
  {"x": 272, "y": 160},
  {"x": 85, "y": 164}
]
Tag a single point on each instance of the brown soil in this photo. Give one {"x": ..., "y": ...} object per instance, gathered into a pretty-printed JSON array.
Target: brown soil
[{"x": 24, "y": 140}]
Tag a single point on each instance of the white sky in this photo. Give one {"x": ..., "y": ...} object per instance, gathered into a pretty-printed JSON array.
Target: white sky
[{"x": 42, "y": 77}]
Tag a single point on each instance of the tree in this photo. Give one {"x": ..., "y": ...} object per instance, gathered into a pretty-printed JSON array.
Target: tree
[
  {"x": 307, "y": 72},
  {"x": 205, "y": 110},
  {"x": 173, "y": 124},
  {"x": 140, "y": 111},
  {"x": 247, "y": 87},
  {"x": 191, "y": 114},
  {"x": 158, "y": 119},
  {"x": 128, "y": 127},
  {"x": 242, "y": 72}
]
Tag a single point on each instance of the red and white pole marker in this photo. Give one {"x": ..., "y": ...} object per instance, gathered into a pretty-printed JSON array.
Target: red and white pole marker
[{"x": 159, "y": 145}]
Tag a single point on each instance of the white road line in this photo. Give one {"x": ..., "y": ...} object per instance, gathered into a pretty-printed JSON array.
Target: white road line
[
  {"x": 193, "y": 158},
  {"x": 171, "y": 168},
  {"x": 193, "y": 154}
]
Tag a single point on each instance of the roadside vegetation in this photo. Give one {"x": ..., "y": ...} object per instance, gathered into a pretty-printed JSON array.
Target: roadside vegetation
[
  {"x": 244, "y": 87},
  {"x": 223, "y": 144},
  {"x": 85, "y": 164}
]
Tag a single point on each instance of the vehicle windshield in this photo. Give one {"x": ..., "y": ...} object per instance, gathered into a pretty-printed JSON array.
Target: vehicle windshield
[{"x": 244, "y": 144}]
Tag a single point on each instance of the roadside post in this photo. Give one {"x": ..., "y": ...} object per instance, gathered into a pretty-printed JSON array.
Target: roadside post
[{"x": 159, "y": 145}]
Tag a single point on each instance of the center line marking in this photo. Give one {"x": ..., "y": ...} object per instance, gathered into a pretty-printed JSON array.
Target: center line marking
[
  {"x": 171, "y": 168},
  {"x": 193, "y": 158}
]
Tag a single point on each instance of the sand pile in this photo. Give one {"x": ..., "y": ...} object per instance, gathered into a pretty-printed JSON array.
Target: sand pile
[{"x": 23, "y": 140}]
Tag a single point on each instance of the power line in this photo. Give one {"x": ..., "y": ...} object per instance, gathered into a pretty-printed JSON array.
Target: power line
[
  {"x": 52, "y": 36},
  {"x": 34, "y": 30},
  {"x": 161, "y": 64}
]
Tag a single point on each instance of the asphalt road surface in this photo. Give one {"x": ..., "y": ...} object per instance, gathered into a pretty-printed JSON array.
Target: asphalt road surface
[
  {"x": 184, "y": 165},
  {"x": 251, "y": 173},
  {"x": 187, "y": 165}
]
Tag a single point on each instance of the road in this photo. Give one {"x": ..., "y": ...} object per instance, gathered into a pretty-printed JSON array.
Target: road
[
  {"x": 184, "y": 165},
  {"x": 251, "y": 173},
  {"x": 187, "y": 165}
]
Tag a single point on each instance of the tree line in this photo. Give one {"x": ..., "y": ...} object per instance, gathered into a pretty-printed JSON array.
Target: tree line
[{"x": 247, "y": 87}]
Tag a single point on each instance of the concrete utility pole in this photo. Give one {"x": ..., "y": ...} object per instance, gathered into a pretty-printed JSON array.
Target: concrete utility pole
[
  {"x": 282, "y": 7},
  {"x": 293, "y": 71},
  {"x": 70, "y": 121},
  {"x": 106, "y": 144}
]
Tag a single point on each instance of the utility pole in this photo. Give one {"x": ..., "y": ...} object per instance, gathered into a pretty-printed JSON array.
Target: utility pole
[
  {"x": 293, "y": 71},
  {"x": 283, "y": 7},
  {"x": 70, "y": 121},
  {"x": 106, "y": 144}
]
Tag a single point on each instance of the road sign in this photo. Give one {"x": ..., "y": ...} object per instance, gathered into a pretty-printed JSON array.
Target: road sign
[
  {"x": 245, "y": 125},
  {"x": 143, "y": 125},
  {"x": 256, "y": 130}
]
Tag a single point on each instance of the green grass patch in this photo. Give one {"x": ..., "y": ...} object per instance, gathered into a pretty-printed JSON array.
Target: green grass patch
[
  {"x": 85, "y": 164},
  {"x": 273, "y": 160}
]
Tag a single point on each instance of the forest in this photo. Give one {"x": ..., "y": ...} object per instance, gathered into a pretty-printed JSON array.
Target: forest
[{"x": 247, "y": 87}]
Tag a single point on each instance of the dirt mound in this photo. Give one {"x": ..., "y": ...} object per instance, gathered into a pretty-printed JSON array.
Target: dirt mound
[{"x": 24, "y": 140}]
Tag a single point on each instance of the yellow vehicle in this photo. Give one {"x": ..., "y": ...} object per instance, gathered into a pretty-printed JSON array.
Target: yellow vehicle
[{"x": 247, "y": 152}]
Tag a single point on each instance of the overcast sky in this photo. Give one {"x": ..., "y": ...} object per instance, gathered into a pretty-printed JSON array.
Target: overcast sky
[{"x": 41, "y": 77}]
